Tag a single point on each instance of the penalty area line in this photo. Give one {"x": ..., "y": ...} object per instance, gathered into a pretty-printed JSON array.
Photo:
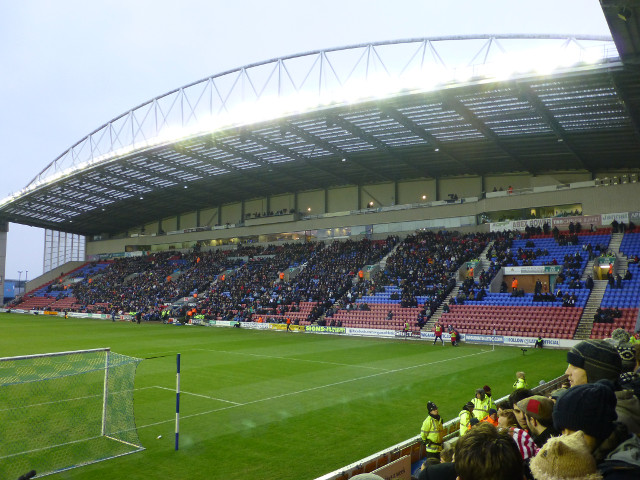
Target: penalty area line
[
  {"x": 244, "y": 354},
  {"x": 318, "y": 387},
  {"x": 182, "y": 392}
]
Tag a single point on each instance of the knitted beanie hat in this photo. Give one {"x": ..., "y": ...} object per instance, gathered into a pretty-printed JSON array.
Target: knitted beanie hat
[
  {"x": 565, "y": 458},
  {"x": 537, "y": 407},
  {"x": 590, "y": 407},
  {"x": 598, "y": 358},
  {"x": 620, "y": 335},
  {"x": 627, "y": 354}
]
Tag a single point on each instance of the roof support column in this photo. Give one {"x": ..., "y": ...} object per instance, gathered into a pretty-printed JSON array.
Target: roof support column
[
  {"x": 241, "y": 212},
  {"x": 359, "y": 197},
  {"x": 4, "y": 228},
  {"x": 198, "y": 217},
  {"x": 219, "y": 222},
  {"x": 326, "y": 200},
  {"x": 437, "y": 184},
  {"x": 396, "y": 193}
]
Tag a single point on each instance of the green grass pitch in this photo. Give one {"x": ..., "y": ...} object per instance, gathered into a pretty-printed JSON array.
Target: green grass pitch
[{"x": 274, "y": 405}]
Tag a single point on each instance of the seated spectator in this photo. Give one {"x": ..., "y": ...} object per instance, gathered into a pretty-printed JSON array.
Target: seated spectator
[{"x": 487, "y": 453}]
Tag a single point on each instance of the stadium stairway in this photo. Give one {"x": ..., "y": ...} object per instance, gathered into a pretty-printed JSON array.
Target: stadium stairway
[
  {"x": 588, "y": 270},
  {"x": 614, "y": 244},
  {"x": 383, "y": 262},
  {"x": 586, "y": 320},
  {"x": 483, "y": 264}
]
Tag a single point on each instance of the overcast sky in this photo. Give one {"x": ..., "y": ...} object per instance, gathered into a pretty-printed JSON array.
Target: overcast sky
[{"x": 69, "y": 66}]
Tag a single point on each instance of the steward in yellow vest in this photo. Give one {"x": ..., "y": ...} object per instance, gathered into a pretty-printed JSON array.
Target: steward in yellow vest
[
  {"x": 465, "y": 417},
  {"x": 480, "y": 404},
  {"x": 432, "y": 432}
]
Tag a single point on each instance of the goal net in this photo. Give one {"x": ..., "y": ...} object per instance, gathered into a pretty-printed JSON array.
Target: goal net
[{"x": 64, "y": 410}]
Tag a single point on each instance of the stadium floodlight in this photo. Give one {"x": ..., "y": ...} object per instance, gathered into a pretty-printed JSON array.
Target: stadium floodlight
[
  {"x": 463, "y": 74},
  {"x": 65, "y": 410}
]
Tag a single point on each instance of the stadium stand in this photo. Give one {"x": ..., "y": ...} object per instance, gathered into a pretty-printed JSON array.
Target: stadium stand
[{"x": 413, "y": 278}]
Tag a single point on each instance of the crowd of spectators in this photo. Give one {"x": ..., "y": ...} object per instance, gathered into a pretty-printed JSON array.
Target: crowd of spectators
[
  {"x": 607, "y": 315},
  {"x": 424, "y": 265},
  {"x": 586, "y": 429},
  {"x": 147, "y": 283}
]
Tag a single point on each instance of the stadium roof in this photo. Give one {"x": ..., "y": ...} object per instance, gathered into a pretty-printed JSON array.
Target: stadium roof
[{"x": 356, "y": 115}]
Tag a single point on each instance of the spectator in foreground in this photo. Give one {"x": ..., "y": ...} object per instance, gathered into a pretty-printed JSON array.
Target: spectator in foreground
[
  {"x": 487, "y": 453},
  {"x": 446, "y": 470},
  {"x": 594, "y": 360},
  {"x": 591, "y": 408},
  {"x": 514, "y": 398},
  {"x": 538, "y": 415},
  {"x": 565, "y": 458}
]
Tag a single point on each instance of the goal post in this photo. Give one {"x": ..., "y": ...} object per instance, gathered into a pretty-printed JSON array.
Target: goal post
[{"x": 64, "y": 410}]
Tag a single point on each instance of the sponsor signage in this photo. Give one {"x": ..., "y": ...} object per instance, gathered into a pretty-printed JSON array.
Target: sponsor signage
[
  {"x": 474, "y": 338},
  {"x": 431, "y": 336},
  {"x": 324, "y": 329},
  {"x": 582, "y": 220},
  {"x": 533, "y": 222},
  {"x": 283, "y": 326},
  {"x": 560, "y": 222},
  {"x": 371, "y": 332},
  {"x": 254, "y": 325},
  {"x": 607, "y": 218},
  {"x": 518, "y": 224},
  {"x": 547, "y": 342},
  {"x": 533, "y": 270},
  {"x": 220, "y": 323}
]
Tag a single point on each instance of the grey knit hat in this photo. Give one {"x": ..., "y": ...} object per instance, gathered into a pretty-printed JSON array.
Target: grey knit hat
[{"x": 598, "y": 358}]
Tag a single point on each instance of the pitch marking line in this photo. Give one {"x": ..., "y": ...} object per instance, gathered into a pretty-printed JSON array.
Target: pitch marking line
[
  {"x": 311, "y": 389},
  {"x": 196, "y": 395},
  {"x": 292, "y": 359}
]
